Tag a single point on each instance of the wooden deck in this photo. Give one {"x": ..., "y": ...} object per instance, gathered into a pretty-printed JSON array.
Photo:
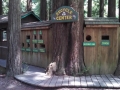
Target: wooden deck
[{"x": 36, "y": 76}]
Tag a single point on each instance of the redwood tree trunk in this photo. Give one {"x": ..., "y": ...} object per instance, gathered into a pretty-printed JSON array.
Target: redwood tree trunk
[
  {"x": 14, "y": 62},
  {"x": 43, "y": 10},
  {"x": 89, "y": 8},
  {"x": 111, "y": 8},
  {"x": 60, "y": 40},
  {"x": 101, "y": 12},
  {"x": 0, "y": 7},
  {"x": 76, "y": 64},
  {"x": 119, "y": 10},
  {"x": 29, "y": 5}
]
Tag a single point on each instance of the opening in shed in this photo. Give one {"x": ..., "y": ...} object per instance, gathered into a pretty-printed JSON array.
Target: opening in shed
[{"x": 101, "y": 45}]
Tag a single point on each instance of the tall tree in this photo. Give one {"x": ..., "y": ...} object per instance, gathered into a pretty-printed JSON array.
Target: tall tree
[
  {"x": 111, "y": 8},
  {"x": 60, "y": 39},
  {"x": 89, "y": 8},
  {"x": 117, "y": 71},
  {"x": 101, "y": 11},
  {"x": 14, "y": 63},
  {"x": 29, "y": 5},
  {"x": 119, "y": 10},
  {"x": 0, "y": 7},
  {"x": 76, "y": 63},
  {"x": 43, "y": 10},
  {"x": 68, "y": 39}
]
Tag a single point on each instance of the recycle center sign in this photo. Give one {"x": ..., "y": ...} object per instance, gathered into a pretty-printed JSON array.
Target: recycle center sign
[{"x": 65, "y": 14}]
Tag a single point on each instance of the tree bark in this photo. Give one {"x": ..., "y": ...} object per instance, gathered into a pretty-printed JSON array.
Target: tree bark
[
  {"x": 0, "y": 7},
  {"x": 101, "y": 12},
  {"x": 89, "y": 8},
  {"x": 111, "y": 8},
  {"x": 29, "y": 5},
  {"x": 76, "y": 64},
  {"x": 68, "y": 39},
  {"x": 119, "y": 10},
  {"x": 14, "y": 62},
  {"x": 43, "y": 10},
  {"x": 60, "y": 40}
]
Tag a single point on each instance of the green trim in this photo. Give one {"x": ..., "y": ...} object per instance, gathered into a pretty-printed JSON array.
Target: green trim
[
  {"x": 28, "y": 49},
  {"x": 30, "y": 13},
  {"x": 28, "y": 40},
  {"x": 40, "y": 41},
  {"x": 34, "y": 32},
  {"x": 105, "y": 43},
  {"x": 42, "y": 50},
  {"x": 89, "y": 44},
  {"x": 34, "y": 41},
  {"x": 35, "y": 50},
  {"x": 23, "y": 49},
  {"x": 40, "y": 32}
]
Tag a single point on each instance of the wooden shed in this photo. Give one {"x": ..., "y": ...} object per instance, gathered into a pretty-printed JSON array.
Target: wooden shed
[
  {"x": 36, "y": 43},
  {"x": 101, "y": 45},
  {"x": 25, "y": 18}
]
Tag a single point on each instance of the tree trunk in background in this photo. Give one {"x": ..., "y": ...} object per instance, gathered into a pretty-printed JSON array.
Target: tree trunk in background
[
  {"x": 117, "y": 71},
  {"x": 50, "y": 9},
  {"x": 101, "y": 12},
  {"x": 76, "y": 63},
  {"x": 119, "y": 10},
  {"x": 60, "y": 39},
  {"x": 43, "y": 10},
  {"x": 14, "y": 62},
  {"x": 0, "y": 7},
  {"x": 89, "y": 8},
  {"x": 29, "y": 5},
  {"x": 111, "y": 8}
]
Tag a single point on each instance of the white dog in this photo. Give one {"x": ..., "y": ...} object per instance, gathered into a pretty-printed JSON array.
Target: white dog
[{"x": 51, "y": 69}]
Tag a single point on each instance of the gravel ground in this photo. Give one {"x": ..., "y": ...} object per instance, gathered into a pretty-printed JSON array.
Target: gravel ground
[{"x": 7, "y": 83}]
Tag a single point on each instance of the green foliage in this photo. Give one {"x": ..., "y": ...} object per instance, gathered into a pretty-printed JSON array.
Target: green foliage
[
  {"x": 23, "y": 5},
  {"x": 36, "y": 7},
  {"x": 95, "y": 8},
  {"x": 5, "y": 6}
]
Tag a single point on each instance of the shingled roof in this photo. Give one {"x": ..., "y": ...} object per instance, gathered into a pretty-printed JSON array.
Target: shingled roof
[
  {"x": 4, "y": 18},
  {"x": 101, "y": 20},
  {"x": 35, "y": 24}
]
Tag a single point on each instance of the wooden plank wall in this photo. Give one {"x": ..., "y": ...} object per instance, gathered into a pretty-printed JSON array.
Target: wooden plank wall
[
  {"x": 41, "y": 59},
  {"x": 101, "y": 59}
]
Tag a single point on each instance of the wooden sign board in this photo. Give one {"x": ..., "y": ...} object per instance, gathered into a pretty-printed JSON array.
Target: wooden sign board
[
  {"x": 40, "y": 41},
  {"x": 34, "y": 41},
  {"x": 89, "y": 44},
  {"x": 23, "y": 49},
  {"x": 35, "y": 50},
  {"x": 105, "y": 42},
  {"x": 28, "y": 49},
  {"x": 64, "y": 14},
  {"x": 42, "y": 50}
]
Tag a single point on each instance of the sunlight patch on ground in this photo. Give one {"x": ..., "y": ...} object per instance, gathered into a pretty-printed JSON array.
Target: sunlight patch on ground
[{"x": 11, "y": 86}]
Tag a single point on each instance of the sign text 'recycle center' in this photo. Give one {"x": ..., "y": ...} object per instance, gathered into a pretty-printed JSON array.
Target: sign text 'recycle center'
[{"x": 65, "y": 14}]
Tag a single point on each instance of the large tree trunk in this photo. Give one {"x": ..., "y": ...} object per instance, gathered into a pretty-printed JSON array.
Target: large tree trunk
[
  {"x": 60, "y": 40},
  {"x": 111, "y": 8},
  {"x": 14, "y": 62},
  {"x": 0, "y": 7},
  {"x": 119, "y": 10},
  {"x": 29, "y": 5},
  {"x": 117, "y": 71},
  {"x": 43, "y": 10},
  {"x": 76, "y": 64},
  {"x": 101, "y": 12},
  {"x": 89, "y": 8}
]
